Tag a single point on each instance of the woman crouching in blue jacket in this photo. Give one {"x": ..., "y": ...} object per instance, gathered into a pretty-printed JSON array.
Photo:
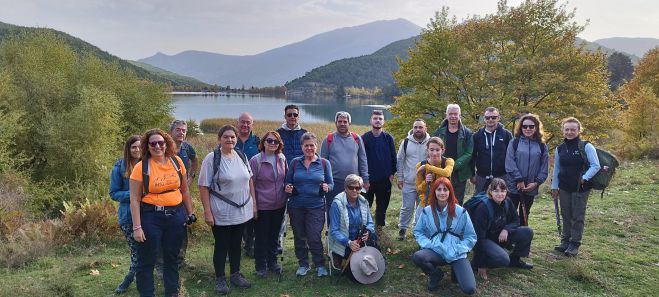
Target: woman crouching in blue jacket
[
  {"x": 120, "y": 192},
  {"x": 445, "y": 234}
]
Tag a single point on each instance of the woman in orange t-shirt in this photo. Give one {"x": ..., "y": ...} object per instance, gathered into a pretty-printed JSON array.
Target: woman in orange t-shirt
[{"x": 158, "y": 212}]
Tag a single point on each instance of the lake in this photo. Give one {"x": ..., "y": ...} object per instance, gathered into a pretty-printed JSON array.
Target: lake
[{"x": 199, "y": 106}]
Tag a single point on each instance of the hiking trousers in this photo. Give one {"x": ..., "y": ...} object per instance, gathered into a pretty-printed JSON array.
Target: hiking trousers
[
  {"x": 307, "y": 225},
  {"x": 408, "y": 205},
  {"x": 380, "y": 192},
  {"x": 496, "y": 254},
  {"x": 429, "y": 261},
  {"x": 573, "y": 211}
]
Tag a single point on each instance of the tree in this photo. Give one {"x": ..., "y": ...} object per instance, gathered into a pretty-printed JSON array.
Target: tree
[
  {"x": 521, "y": 59},
  {"x": 641, "y": 95},
  {"x": 620, "y": 69}
]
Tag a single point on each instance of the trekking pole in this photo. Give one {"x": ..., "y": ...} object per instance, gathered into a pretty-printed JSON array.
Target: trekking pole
[
  {"x": 358, "y": 240},
  {"x": 558, "y": 216},
  {"x": 282, "y": 242},
  {"x": 522, "y": 203}
]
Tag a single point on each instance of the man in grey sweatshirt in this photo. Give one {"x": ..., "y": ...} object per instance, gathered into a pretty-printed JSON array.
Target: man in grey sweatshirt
[
  {"x": 345, "y": 151},
  {"x": 411, "y": 151}
]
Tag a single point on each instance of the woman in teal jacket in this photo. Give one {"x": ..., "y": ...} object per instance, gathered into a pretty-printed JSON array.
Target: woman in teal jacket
[
  {"x": 442, "y": 245},
  {"x": 119, "y": 191}
]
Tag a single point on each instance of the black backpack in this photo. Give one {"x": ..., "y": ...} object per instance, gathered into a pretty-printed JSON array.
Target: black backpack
[
  {"x": 217, "y": 159},
  {"x": 145, "y": 175}
]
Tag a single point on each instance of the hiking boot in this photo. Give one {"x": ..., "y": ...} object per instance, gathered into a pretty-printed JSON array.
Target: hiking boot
[
  {"x": 239, "y": 281},
  {"x": 562, "y": 247},
  {"x": 434, "y": 279},
  {"x": 261, "y": 273},
  {"x": 401, "y": 235},
  {"x": 572, "y": 250},
  {"x": 302, "y": 271},
  {"x": 123, "y": 287},
  {"x": 518, "y": 263},
  {"x": 275, "y": 267},
  {"x": 322, "y": 271},
  {"x": 221, "y": 285}
]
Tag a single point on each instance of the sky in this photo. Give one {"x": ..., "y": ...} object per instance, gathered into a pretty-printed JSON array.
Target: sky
[{"x": 135, "y": 29}]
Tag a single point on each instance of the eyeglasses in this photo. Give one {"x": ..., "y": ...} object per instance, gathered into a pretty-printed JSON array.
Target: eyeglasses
[
  {"x": 491, "y": 117},
  {"x": 528, "y": 126},
  {"x": 272, "y": 141},
  {"x": 160, "y": 143},
  {"x": 292, "y": 115},
  {"x": 354, "y": 188}
]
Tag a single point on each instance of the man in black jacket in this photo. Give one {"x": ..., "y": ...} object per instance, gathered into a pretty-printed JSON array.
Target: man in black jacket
[{"x": 490, "y": 145}]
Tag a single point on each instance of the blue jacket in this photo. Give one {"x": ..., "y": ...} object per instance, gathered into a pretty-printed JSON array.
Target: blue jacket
[
  {"x": 120, "y": 192},
  {"x": 251, "y": 147},
  {"x": 307, "y": 182},
  {"x": 292, "y": 145},
  {"x": 452, "y": 248},
  {"x": 526, "y": 164}
]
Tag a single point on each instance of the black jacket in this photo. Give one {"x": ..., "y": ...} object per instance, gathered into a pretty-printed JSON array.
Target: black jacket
[
  {"x": 490, "y": 159},
  {"x": 504, "y": 216}
]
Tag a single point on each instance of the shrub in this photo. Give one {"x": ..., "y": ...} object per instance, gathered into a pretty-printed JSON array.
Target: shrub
[
  {"x": 193, "y": 128},
  {"x": 90, "y": 221},
  {"x": 30, "y": 241},
  {"x": 211, "y": 126}
]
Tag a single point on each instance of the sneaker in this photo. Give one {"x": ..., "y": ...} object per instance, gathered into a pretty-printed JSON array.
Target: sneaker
[
  {"x": 275, "y": 267},
  {"x": 562, "y": 247},
  {"x": 434, "y": 279},
  {"x": 302, "y": 271},
  {"x": 518, "y": 263},
  {"x": 239, "y": 280},
  {"x": 401, "y": 235},
  {"x": 261, "y": 273},
  {"x": 572, "y": 250},
  {"x": 221, "y": 285},
  {"x": 123, "y": 287},
  {"x": 322, "y": 271}
]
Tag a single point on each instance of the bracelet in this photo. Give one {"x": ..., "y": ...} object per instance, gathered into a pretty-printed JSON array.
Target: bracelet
[{"x": 138, "y": 227}]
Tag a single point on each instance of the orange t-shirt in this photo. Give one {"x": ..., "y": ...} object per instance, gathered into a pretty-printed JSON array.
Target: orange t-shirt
[{"x": 162, "y": 177}]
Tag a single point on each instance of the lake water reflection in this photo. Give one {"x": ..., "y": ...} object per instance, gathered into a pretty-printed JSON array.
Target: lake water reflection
[{"x": 199, "y": 106}]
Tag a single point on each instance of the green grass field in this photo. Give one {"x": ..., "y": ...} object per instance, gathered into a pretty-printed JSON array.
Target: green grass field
[{"x": 619, "y": 257}]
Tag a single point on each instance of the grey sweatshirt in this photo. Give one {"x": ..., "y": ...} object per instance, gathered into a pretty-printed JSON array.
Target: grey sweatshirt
[
  {"x": 346, "y": 156},
  {"x": 416, "y": 152}
]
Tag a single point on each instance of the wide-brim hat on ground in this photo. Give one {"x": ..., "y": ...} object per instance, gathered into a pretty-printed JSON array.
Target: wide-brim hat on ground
[{"x": 367, "y": 265}]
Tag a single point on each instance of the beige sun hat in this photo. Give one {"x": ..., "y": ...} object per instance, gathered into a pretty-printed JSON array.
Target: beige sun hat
[{"x": 367, "y": 265}]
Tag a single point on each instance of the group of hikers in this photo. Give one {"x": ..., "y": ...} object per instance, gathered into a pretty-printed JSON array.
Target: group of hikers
[{"x": 250, "y": 186}]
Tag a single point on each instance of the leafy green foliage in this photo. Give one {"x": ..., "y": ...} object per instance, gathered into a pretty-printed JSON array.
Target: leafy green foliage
[
  {"x": 521, "y": 59},
  {"x": 620, "y": 69}
]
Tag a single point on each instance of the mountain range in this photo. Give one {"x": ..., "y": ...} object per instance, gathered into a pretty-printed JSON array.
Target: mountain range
[
  {"x": 279, "y": 65},
  {"x": 635, "y": 46}
]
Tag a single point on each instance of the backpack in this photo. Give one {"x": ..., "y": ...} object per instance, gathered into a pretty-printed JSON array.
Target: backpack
[
  {"x": 330, "y": 138},
  {"x": 449, "y": 221},
  {"x": 217, "y": 160},
  {"x": 472, "y": 204},
  {"x": 145, "y": 175},
  {"x": 608, "y": 164},
  {"x": 295, "y": 164}
]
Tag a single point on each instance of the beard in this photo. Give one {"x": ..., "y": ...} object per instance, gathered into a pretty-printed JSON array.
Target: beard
[{"x": 376, "y": 127}]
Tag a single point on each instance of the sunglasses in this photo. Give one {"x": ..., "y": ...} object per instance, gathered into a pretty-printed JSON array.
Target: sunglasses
[
  {"x": 528, "y": 126},
  {"x": 292, "y": 115},
  {"x": 354, "y": 188},
  {"x": 160, "y": 143},
  {"x": 272, "y": 141},
  {"x": 491, "y": 117}
]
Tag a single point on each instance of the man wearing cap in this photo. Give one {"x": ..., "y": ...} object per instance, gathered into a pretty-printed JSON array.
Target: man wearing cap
[
  {"x": 490, "y": 145},
  {"x": 345, "y": 151}
]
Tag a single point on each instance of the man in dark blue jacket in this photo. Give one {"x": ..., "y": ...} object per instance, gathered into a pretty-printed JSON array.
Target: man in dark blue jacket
[
  {"x": 381, "y": 159},
  {"x": 489, "y": 155},
  {"x": 291, "y": 132}
]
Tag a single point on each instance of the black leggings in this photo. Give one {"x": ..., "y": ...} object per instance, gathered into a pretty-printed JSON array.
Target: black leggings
[{"x": 227, "y": 240}]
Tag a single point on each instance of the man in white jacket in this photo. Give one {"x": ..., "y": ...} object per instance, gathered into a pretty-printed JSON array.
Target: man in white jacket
[{"x": 411, "y": 151}]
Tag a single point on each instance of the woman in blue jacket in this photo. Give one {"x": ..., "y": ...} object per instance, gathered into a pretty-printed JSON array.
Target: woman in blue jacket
[
  {"x": 445, "y": 234},
  {"x": 571, "y": 184},
  {"x": 119, "y": 191},
  {"x": 527, "y": 164}
]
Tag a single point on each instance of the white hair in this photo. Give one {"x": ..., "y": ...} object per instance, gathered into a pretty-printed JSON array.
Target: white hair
[{"x": 453, "y": 106}]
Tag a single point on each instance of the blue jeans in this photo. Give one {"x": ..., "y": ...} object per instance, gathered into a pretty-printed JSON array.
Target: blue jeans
[
  {"x": 162, "y": 231},
  {"x": 429, "y": 262}
]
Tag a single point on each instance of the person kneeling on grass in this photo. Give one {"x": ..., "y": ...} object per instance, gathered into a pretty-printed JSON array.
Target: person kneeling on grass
[
  {"x": 445, "y": 234},
  {"x": 497, "y": 228},
  {"x": 350, "y": 211}
]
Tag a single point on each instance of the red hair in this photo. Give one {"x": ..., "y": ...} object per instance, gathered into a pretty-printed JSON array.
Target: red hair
[{"x": 452, "y": 201}]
